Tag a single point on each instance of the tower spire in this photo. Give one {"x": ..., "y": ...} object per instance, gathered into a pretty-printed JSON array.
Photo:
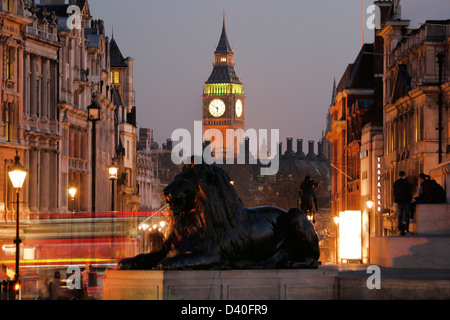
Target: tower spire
[
  {"x": 334, "y": 94},
  {"x": 224, "y": 44}
]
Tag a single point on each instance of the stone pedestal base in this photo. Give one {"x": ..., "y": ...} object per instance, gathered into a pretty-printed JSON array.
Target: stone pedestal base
[{"x": 317, "y": 284}]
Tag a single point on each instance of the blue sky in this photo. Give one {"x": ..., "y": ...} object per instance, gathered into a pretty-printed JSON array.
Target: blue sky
[{"x": 288, "y": 51}]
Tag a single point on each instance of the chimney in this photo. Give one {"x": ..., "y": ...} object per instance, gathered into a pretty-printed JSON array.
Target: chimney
[
  {"x": 169, "y": 144},
  {"x": 290, "y": 149},
  {"x": 300, "y": 147},
  {"x": 280, "y": 149},
  {"x": 320, "y": 150},
  {"x": 311, "y": 148}
]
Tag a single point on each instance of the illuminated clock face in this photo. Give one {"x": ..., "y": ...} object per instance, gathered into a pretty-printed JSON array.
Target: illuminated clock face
[
  {"x": 239, "y": 108},
  {"x": 217, "y": 108}
]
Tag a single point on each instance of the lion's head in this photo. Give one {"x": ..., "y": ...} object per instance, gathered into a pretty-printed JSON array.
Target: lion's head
[{"x": 202, "y": 196}]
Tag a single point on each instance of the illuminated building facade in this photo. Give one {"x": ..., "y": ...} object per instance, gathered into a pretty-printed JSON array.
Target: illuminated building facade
[
  {"x": 356, "y": 118},
  {"x": 354, "y": 98},
  {"x": 51, "y": 74},
  {"x": 12, "y": 133},
  {"x": 414, "y": 99}
]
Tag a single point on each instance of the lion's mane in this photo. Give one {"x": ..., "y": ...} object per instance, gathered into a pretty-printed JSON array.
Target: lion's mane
[{"x": 220, "y": 214}]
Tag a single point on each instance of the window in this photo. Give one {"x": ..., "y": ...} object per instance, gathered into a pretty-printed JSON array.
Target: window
[
  {"x": 9, "y": 122},
  {"x": 364, "y": 175},
  {"x": 11, "y": 5},
  {"x": 422, "y": 125},
  {"x": 115, "y": 77},
  {"x": 10, "y": 63}
]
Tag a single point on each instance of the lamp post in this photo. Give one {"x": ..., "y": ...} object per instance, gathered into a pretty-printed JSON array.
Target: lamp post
[
  {"x": 440, "y": 57},
  {"x": 336, "y": 222},
  {"x": 113, "y": 174},
  {"x": 370, "y": 205},
  {"x": 17, "y": 175},
  {"x": 94, "y": 116},
  {"x": 94, "y": 113},
  {"x": 72, "y": 193}
]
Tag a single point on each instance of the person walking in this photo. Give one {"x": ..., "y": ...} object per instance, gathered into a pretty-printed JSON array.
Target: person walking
[{"x": 402, "y": 199}]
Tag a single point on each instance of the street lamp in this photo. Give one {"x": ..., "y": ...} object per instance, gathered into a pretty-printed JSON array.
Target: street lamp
[
  {"x": 336, "y": 222},
  {"x": 72, "y": 193},
  {"x": 113, "y": 174},
  {"x": 17, "y": 174},
  {"x": 94, "y": 115},
  {"x": 370, "y": 204}
]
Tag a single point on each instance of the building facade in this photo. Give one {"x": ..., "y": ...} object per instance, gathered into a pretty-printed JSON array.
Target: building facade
[
  {"x": 12, "y": 133},
  {"x": 354, "y": 98},
  {"x": 416, "y": 98},
  {"x": 52, "y": 72},
  {"x": 356, "y": 118}
]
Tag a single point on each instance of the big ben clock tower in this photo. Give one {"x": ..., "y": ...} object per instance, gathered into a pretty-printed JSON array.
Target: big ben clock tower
[{"x": 223, "y": 99}]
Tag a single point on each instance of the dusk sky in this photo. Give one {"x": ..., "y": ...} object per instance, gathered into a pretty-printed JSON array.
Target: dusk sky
[{"x": 287, "y": 50}]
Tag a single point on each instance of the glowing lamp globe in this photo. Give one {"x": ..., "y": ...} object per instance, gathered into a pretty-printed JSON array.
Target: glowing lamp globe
[{"x": 17, "y": 173}]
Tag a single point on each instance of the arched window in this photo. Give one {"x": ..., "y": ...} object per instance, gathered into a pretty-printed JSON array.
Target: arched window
[{"x": 115, "y": 77}]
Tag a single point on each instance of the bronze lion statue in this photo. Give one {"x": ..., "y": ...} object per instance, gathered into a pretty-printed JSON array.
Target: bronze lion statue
[{"x": 211, "y": 229}]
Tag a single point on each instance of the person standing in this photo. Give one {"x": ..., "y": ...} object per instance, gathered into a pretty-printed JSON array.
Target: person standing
[
  {"x": 402, "y": 199},
  {"x": 55, "y": 286}
]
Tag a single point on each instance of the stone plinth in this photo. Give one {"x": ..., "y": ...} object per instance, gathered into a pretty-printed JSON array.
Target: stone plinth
[
  {"x": 411, "y": 252},
  {"x": 432, "y": 219},
  {"x": 222, "y": 285},
  {"x": 427, "y": 248}
]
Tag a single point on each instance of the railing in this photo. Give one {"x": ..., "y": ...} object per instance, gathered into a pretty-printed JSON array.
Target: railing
[
  {"x": 78, "y": 165},
  {"x": 41, "y": 33}
]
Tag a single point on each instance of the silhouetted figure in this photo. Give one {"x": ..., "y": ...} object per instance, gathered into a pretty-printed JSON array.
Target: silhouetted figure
[
  {"x": 402, "y": 199},
  {"x": 307, "y": 195},
  {"x": 54, "y": 287}
]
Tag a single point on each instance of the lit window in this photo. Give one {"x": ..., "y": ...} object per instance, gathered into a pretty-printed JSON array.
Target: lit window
[
  {"x": 10, "y": 63},
  {"x": 9, "y": 122},
  {"x": 115, "y": 77},
  {"x": 223, "y": 59}
]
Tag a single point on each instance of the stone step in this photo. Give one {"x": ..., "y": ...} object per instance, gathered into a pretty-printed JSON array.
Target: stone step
[{"x": 411, "y": 252}]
